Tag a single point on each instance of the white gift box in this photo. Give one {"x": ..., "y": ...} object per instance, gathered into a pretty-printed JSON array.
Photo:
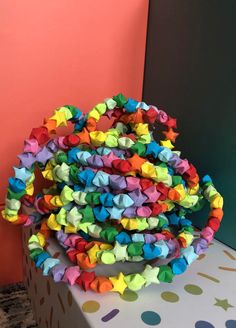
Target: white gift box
[{"x": 203, "y": 297}]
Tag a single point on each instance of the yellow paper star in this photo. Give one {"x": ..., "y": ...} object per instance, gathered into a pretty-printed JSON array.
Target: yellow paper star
[
  {"x": 182, "y": 192},
  {"x": 41, "y": 239},
  {"x": 29, "y": 189},
  {"x": 217, "y": 201},
  {"x": 70, "y": 229},
  {"x": 47, "y": 174},
  {"x": 94, "y": 114},
  {"x": 118, "y": 283},
  {"x": 50, "y": 165},
  {"x": 187, "y": 237},
  {"x": 56, "y": 201},
  {"x": 60, "y": 118},
  {"x": 10, "y": 218},
  {"x": 66, "y": 111},
  {"x": 141, "y": 129},
  {"x": 129, "y": 224},
  {"x": 223, "y": 303},
  {"x": 52, "y": 223},
  {"x": 92, "y": 253},
  {"x": 167, "y": 144},
  {"x": 104, "y": 247},
  {"x": 148, "y": 170}
]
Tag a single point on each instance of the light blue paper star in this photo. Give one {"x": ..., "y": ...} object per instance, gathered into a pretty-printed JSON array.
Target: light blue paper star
[
  {"x": 115, "y": 212},
  {"x": 22, "y": 173}
]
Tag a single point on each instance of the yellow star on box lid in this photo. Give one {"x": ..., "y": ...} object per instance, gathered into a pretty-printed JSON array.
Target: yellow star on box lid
[{"x": 118, "y": 283}]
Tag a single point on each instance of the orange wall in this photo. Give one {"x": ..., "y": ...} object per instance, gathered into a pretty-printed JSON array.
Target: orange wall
[{"x": 59, "y": 52}]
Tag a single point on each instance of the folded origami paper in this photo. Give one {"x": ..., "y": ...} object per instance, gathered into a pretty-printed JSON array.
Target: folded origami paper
[{"x": 116, "y": 195}]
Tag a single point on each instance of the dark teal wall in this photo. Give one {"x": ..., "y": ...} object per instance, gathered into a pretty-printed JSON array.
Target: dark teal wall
[{"x": 191, "y": 71}]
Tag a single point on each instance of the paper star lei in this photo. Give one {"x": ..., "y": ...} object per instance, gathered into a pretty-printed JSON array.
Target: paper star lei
[{"x": 117, "y": 195}]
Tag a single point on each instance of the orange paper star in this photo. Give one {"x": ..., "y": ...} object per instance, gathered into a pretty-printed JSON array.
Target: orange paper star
[
  {"x": 171, "y": 134},
  {"x": 136, "y": 162}
]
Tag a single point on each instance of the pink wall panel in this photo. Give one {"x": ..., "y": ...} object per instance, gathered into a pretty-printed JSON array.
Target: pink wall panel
[{"x": 59, "y": 52}]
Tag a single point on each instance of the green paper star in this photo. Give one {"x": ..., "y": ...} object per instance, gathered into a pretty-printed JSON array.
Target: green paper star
[
  {"x": 84, "y": 226},
  {"x": 134, "y": 281},
  {"x": 120, "y": 252},
  {"x": 223, "y": 303},
  {"x": 150, "y": 275}
]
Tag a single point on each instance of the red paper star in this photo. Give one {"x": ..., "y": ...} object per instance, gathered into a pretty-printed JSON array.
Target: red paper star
[{"x": 171, "y": 123}]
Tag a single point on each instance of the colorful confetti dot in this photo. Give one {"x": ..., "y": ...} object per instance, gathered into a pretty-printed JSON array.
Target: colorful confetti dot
[
  {"x": 201, "y": 256},
  {"x": 110, "y": 315},
  {"x": 227, "y": 269},
  {"x": 231, "y": 256},
  {"x": 169, "y": 297},
  {"x": 90, "y": 306},
  {"x": 230, "y": 324},
  {"x": 193, "y": 289},
  {"x": 203, "y": 324},
  {"x": 129, "y": 296},
  {"x": 224, "y": 304},
  {"x": 207, "y": 276},
  {"x": 151, "y": 318}
]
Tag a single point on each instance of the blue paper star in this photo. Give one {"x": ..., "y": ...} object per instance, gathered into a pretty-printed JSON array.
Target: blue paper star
[
  {"x": 115, "y": 212},
  {"x": 22, "y": 173}
]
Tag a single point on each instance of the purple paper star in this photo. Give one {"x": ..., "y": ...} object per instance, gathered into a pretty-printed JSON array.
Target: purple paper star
[
  {"x": 44, "y": 155},
  {"x": 52, "y": 146},
  {"x": 27, "y": 160},
  {"x": 174, "y": 160},
  {"x": 138, "y": 197}
]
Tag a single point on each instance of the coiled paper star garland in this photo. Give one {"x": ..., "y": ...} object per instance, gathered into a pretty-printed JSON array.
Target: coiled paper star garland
[{"x": 116, "y": 196}]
